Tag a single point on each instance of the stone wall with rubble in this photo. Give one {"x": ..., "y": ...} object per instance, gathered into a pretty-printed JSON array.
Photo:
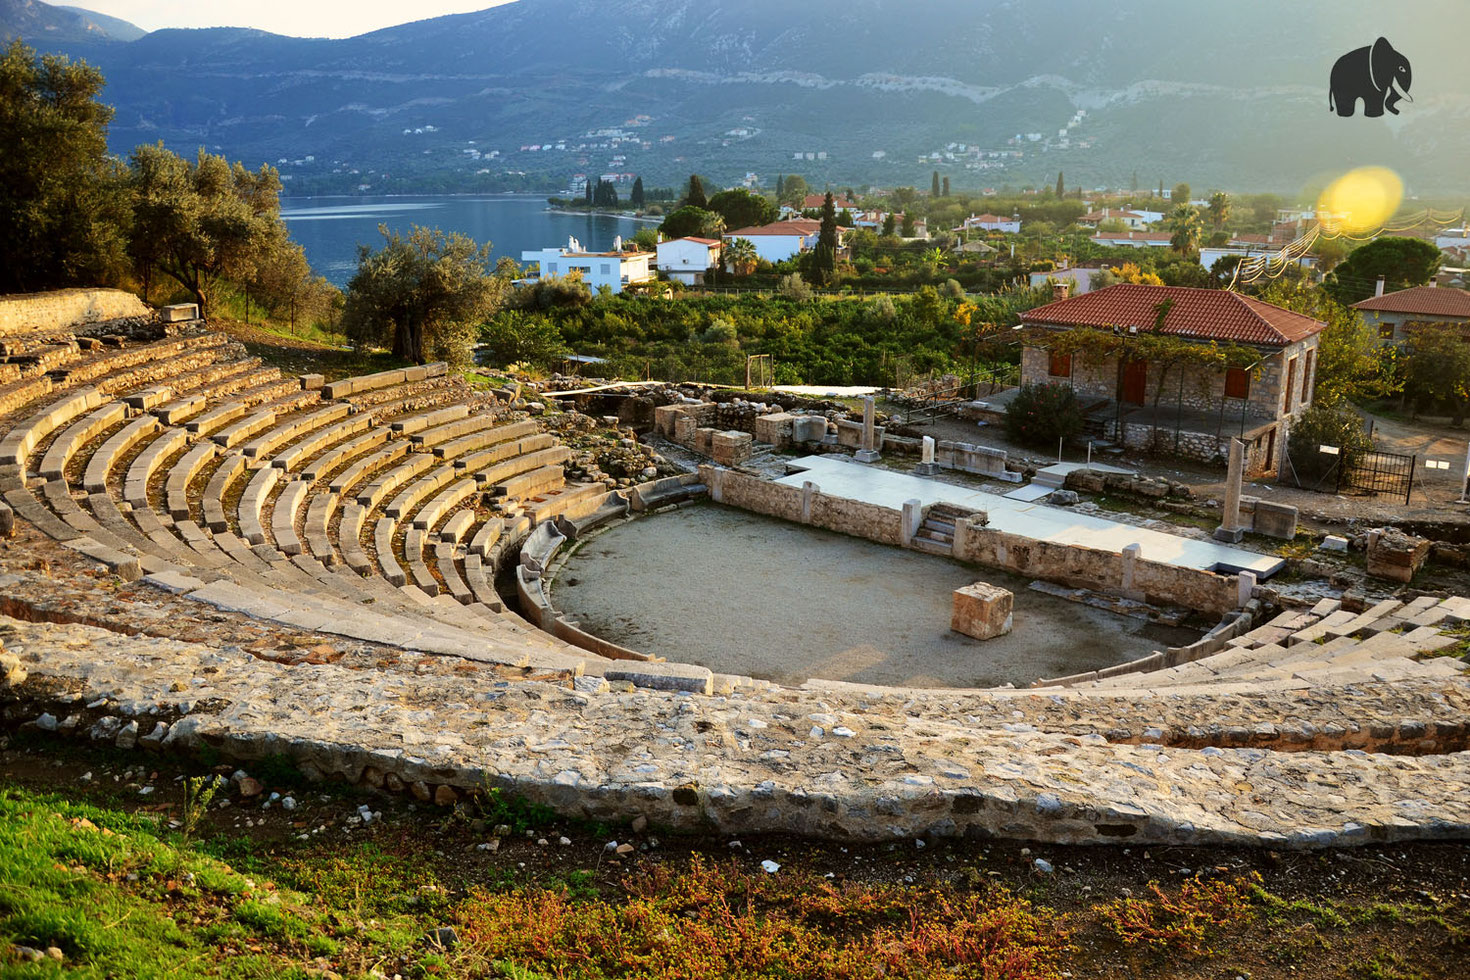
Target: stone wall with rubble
[
  {"x": 66, "y": 308},
  {"x": 832, "y": 761},
  {"x": 1089, "y": 568},
  {"x": 854, "y": 517}
]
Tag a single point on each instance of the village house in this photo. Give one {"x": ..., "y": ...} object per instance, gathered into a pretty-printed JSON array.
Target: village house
[
  {"x": 1396, "y": 315},
  {"x": 1199, "y": 408},
  {"x": 1131, "y": 219},
  {"x": 616, "y": 269},
  {"x": 686, "y": 260},
  {"x": 1252, "y": 246},
  {"x": 1133, "y": 239},
  {"x": 990, "y": 222},
  {"x": 1079, "y": 280},
  {"x": 781, "y": 240}
]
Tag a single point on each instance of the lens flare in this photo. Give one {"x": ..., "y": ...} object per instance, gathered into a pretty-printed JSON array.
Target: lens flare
[{"x": 1360, "y": 201}]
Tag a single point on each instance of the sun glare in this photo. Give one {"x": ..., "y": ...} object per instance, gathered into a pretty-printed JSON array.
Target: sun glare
[{"x": 1360, "y": 200}]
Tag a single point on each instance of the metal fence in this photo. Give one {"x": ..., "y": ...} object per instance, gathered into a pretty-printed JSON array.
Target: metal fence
[{"x": 1368, "y": 471}]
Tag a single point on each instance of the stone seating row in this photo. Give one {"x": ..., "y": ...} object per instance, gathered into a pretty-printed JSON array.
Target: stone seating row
[{"x": 161, "y": 535}]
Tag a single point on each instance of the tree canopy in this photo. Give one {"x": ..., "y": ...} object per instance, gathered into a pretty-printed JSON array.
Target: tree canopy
[
  {"x": 63, "y": 215},
  {"x": 1402, "y": 262},
  {"x": 742, "y": 209},
  {"x": 202, "y": 221},
  {"x": 691, "y": 221},
  {"x": 424, "y": 296}
]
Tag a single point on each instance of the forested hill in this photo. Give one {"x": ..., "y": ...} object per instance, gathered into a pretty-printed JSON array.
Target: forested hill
[{"x": 1233, "y": 95}]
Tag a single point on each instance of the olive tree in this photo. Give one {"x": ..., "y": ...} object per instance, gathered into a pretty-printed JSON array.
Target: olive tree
[{"x": 423, "y": 296}]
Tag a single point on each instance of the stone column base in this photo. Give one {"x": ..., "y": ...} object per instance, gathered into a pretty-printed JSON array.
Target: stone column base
[
  {"x": 1229, "y": 535},
  {"x": 867, "y": 456}
]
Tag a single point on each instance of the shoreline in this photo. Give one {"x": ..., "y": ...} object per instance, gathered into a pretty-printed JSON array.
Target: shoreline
[{"x": 606, "y": 214}]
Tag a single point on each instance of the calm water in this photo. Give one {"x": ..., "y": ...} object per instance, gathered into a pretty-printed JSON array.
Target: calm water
[{"x": 331, "y": 228}]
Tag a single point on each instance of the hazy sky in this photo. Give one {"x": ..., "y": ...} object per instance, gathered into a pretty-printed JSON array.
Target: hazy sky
[{"x": 300, "y": 18}]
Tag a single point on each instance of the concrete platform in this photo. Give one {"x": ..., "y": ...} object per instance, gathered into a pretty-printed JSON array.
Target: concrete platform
[{"x": 886, "y": 488}]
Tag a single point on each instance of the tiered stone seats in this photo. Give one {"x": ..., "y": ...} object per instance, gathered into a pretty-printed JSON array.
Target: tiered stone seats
[
  {"x": 186, "y": 461},
  {"x": 1323, "y": 646}
]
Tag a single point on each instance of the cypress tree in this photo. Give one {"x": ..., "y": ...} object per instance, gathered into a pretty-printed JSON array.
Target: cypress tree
[
  {"x": 1060, "y": 191},
  {"x": 587, "y": 186},
  {"x": 636, "y": 198},
  {"x": 826, "y": 252},
  {"x": 946, "y": 188},
  {"x": 934, "y": 187},
  {"x": 780, "y": 185},
  {"x": 696, "y": 198}
]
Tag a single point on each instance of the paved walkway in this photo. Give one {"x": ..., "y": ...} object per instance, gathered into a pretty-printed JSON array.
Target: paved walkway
[{"x": 875, "y": 485}]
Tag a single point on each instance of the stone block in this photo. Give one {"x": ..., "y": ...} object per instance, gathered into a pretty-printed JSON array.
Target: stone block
[
  {"x": 179, "y": 313},
  {"x": 808, "y": 428},
  {"x": 704, "y": 440},
  {"x": 731, "y": 448},
  {"x": 312, "y": 382},
  {"x": 1334, "y": 542},
  {"x": 1275, "y": 520},
  {"x": 1396, "y": 556},
  {"x": 775, "y": 429},
  {"x": 983, "y": 611}
]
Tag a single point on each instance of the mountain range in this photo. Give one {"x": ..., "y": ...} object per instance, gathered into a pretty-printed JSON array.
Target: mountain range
[{"x": 988, "y": 92}]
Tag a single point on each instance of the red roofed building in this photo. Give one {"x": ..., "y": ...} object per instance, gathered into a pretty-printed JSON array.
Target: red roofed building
[
  {"x": 1131, "y": 219},
  {"x": 781, "y": 240},
  {"x": 813, "y": 201},
  {"x": 1396, "y": 315},
  {"x": 686, "y": 260},
  {"x": 1199, "y": 408}
]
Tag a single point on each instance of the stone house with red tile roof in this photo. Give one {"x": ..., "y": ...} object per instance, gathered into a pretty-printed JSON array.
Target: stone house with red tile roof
[
  {"x": 1200, "y": 407},
  {"x": 1396, "y": 315}
]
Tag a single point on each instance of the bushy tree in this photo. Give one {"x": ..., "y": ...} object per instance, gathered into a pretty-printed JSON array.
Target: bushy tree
[
  {"x": 202, "y": 221},
  {"x": 517, "y": 338},
  {"x": 1180, "y": 194},
  {"x": 742, "y": 209},
  {"x": 1040, "y": 414},
  {"x": 1351, "y": 366},
  {"x": 63, "y": 214},
  {"x": 424, "y": 296},
  {"x": 1437, "y": 371},
  {"x": 1321, "y": 425},
  {"x": 1402, "y": 262},
  {"x": 793, "y": 191},
  {"x": 692, "y": 221},
  {"x": 646, "y": 239},
  {"x": 793, "y": 287}
]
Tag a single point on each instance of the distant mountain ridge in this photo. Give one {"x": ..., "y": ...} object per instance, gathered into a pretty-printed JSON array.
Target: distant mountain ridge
[
  {"x": 1217, "y": 95},
  {"x": 35, "y": 21}
]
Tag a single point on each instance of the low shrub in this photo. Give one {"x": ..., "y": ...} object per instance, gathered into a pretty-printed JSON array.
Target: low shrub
[{"x": 1040, "y": 414}]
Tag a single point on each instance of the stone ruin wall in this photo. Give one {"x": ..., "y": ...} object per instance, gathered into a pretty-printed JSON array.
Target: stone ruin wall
[
  {"x": 67, "y": 308},
  {"x": 852, "y": 517}
]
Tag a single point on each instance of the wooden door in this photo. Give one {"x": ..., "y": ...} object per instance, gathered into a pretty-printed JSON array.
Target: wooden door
[{"x": 1135, "y": 382}]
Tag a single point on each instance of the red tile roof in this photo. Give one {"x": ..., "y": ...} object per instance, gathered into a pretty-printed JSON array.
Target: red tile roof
[
  {"x": 702, "y": 241},
  {"x": 796, "y": 226},
  {"x": 1422, "y": 301},
  {"x": 817, "y": 200},
  {"x": 1133, "y": 236},
  {"x": 1200, "y": 314}
]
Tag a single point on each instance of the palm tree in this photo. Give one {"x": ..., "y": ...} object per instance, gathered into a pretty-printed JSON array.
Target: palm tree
[
  {"x": 741, "y": 257},
  {"x": 1219, "y": 209},
  {"x": 1185, "y": 224}
]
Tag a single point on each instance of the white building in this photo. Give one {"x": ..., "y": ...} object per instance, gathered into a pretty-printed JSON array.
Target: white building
[
  {"x": 615, "y": 269},
  {"x": 686, "y": 260},
  {"x": 780, "y": 240},
  {"x": 991, "y": 222},
  {"x": 1133, "y": 239},
  {"x": 1134, "y": 220}
]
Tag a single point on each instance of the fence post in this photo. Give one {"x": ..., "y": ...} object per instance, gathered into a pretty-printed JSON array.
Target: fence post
[{"x": 1409, "y": 491}]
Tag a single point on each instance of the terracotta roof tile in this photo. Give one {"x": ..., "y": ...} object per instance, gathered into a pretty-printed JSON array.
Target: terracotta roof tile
[
  {"x": 796, "y": 226},
  {"x": 1202, "y": 314},
  {"x": 1421, "y": 300}
]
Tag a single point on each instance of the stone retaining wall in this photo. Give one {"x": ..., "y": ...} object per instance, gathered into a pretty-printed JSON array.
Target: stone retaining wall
[
  {"x": 64, "y": 309},
  {"x": 818, "y": 763},
  {"x": 804, "y": 506},
  {"x": 1090, "y": 568}
]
